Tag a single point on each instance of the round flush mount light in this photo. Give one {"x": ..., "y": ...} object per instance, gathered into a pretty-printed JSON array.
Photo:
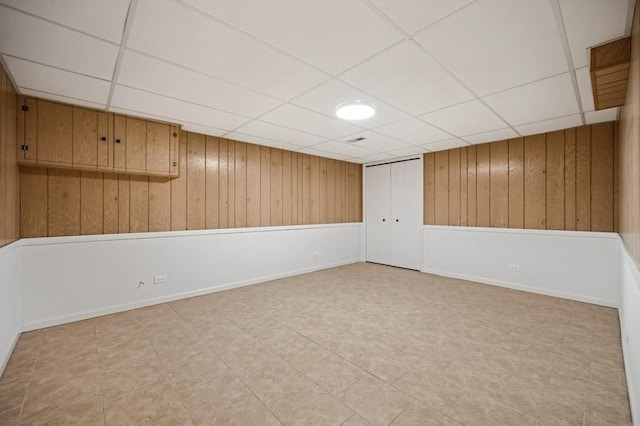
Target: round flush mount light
[{"x": 357, "y": 110}]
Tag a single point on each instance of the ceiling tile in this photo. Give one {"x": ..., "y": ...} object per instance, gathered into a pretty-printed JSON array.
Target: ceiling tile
[
  {"x": 298, "y": 118},
  {"x": 343, "y": 148},
  {"x": 610, "y": 114},
  {"x": 414, "y": 150},
  {"x": 278, "y": 133},
  {"x": 375, "y": 141},
  {"x": 261, "y": 141},
  {"x": 592, "y": 22},
  {"x": 414, "y": 15},
  {"x": 442, "y": 145},
  {"x": 205, "y": 130},
  {"x": 326, "y": 154},
  {"x": 55, "y": 81},
  {"x": 493, "y": 45},
  {"x": 40, "y": 41},
  {"x": 414, "y": 131},
  {"x": 326, "y": 97},
  {"x": 408, "y": 78},
  {"x": 550, "y": 125},
  {"x": 542, "y": 100},
  {"x": 104, "y": 19},
  {"x": 154, "y": 75},
  {"x": 494, "y": 135},
  {"x": 465, "y": 119},
  {"x": 64, "y": 99},
  {"x": 353, "y": 30},
  {"x": 584, "y": 86},
  {"x": 180, "y": 34},
  {"x": 379, "y": 156},
  {"x": 174, "y": 110}
]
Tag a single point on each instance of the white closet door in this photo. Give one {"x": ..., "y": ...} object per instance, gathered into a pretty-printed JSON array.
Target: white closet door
[
  {"x": 406, "y": 190},
  {"x": 378, "y": 211}
]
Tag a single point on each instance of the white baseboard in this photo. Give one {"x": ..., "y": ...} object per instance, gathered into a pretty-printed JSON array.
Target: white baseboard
[
  {"x": 530, "y": 289},
  {"x": 64, "y": 319},
  {"x": 627, "y": 372},
  {"x": 5, "y": 361}
]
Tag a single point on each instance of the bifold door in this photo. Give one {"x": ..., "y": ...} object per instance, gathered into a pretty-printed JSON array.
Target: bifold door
[{"x": 394, "y": 213}]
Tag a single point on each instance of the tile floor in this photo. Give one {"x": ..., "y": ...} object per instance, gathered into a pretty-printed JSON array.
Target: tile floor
[{"x": 357, "y": 345}]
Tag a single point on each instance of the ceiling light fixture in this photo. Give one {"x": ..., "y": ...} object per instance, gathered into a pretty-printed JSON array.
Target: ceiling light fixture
[{"x": 357, "y": 110}]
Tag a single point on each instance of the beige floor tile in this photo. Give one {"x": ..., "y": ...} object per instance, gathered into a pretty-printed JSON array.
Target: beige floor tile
[
  {"x": 155, "y": 405},
  {"x": 9, "y": 417},
  {"x": 420, "y": 414},
  {"x": 278, "y": 382},
  {"x": 12, "y": 394},
  {"x": 333, "y": 373},
  {"x": 126, "y": 380},
  {"x": 383, "y": 364},
  {"x": 479, "y": 409},
  {"x": 606, "y": 415},
  {"x": 80, "y": 410},
  {"x": 374, "y": 400},
  {"x": 312, "y": 407},
  {"x": 355, "y": 420},
  {"x": 438, "y": 389}
]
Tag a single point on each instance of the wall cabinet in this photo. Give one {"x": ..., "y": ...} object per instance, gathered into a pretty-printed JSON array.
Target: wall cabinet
[
  {"x": 51, "y": 134},
  {"x": 393, "y": 194},
  {"x": 145, "y": 147}
]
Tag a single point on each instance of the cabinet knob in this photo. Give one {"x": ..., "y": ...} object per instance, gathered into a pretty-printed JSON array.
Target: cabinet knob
[
  {"x": 104, "y": 138},
  {"x": 117, "y": 140},
  {"x": 175, "y": 135},
  {"x": 175, "y": 164}
]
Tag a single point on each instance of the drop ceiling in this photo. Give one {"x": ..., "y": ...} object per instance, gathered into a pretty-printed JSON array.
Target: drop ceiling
[{"x": 441, "y": 73}]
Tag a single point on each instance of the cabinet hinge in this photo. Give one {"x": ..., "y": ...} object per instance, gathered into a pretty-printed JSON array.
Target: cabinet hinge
[
  {"x": 24, "y": 147},
  {"x": 25, "y": 108}
]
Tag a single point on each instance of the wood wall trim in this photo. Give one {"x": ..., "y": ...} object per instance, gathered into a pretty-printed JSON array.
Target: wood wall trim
[{"x": 561, "y": 180}]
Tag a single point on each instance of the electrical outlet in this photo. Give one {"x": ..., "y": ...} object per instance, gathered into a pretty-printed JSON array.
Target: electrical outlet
[
  {"x": 513, "y": 268},
  {"x": 160, "y": 279}
]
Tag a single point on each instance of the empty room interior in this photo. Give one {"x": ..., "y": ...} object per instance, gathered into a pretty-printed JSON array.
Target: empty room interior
[{"x": 338, "y": 212}]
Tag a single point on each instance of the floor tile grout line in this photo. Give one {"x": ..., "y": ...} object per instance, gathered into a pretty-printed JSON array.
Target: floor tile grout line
[
  {"x": 173, "y": 385},
  {"x": 237, "y": 375},
  {"x": 286, "y": 362},
  {"x": 26, "y": 391}
]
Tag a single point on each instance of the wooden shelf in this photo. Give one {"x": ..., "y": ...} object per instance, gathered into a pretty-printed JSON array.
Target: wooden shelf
[{"x": 609, "y": 73}]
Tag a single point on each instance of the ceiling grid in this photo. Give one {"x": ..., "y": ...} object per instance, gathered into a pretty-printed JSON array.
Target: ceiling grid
[{"x": 440, "y": 74}]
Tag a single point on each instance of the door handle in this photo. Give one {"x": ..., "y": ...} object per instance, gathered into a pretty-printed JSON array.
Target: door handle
[
  {"x": 397, "y": 220},
  {"x": 384, "y": 220}
]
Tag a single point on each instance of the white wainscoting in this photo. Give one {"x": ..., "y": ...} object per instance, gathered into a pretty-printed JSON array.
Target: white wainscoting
[
  {"x": 72, "y": 278},
  {"x": 10, "y": 301},
  {"x": 583, "y": 266},
  {"x": 630, "y": 329}
]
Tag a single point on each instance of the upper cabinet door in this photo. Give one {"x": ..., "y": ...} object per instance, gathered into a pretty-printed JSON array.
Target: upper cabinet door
[
  {"x": 136, "y": 145},
  {"x": 91, "y": 139},
  {"x": 159, "y": 148},
  {"x": 48, "y": 133}
]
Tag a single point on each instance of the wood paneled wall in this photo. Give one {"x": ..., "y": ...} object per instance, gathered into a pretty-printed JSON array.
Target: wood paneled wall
[
  {"x": 559, "y": 180},
  {"x": 222, "y": 184},
  {"x": 9, "y": 172},
  {"x": 628, "y": 172}
]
